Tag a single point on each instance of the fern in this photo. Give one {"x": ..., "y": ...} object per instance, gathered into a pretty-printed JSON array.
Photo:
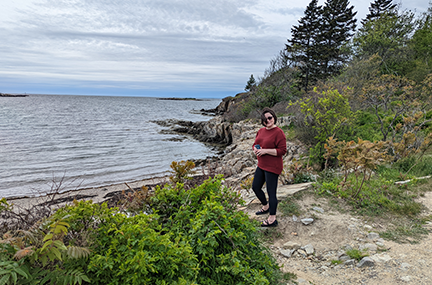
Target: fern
[
  {"x": 78, "y": 252},
  {"x": 70, "y": 277},
  {"x": 11, "y": 270}
]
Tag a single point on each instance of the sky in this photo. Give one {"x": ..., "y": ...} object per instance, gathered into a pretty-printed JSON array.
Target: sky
[{"x": 157, "y": 48}]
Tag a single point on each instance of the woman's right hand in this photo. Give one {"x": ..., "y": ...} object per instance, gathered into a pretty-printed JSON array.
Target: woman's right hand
[{"x": 257, "y": 151}]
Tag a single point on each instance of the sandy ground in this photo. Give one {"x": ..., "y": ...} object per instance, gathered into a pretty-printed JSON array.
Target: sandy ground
[{"x": 96, "y": 194}]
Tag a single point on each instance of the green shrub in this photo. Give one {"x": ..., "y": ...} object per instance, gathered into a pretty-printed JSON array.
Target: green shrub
[
  {"x": 365, "y": 127},
  {"x": 189, "y": 236},
  {"x": 423, "y": 167},
  {"x": 84, "y": 219},
  {"x": 223, "y": 239},
  {"x": 136, "y": 250}
]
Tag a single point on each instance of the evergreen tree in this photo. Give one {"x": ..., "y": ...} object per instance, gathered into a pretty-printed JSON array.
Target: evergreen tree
[
  {"x": 378, "y": 8},
  {"x": 301, "y": 50},
  {"x": 337, "y": 29},
  {"x": 250, "y": 84},
  {"x": 388, "y": 36},
  {"x": 422, "y": 45},
  {"x": 422, "y": 38}
]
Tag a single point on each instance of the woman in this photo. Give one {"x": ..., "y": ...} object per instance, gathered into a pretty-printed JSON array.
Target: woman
[{"x": 269, "y": 147}]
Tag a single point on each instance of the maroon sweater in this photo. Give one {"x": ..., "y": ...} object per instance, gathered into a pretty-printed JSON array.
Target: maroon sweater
[{"x": 273, "y": 138}]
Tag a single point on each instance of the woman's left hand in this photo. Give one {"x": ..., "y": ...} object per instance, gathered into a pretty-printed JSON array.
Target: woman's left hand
[{"x": 260, "y": 152}]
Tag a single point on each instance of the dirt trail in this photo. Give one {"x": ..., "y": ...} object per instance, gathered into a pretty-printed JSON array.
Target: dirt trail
[{"x": 331, "y": 233}]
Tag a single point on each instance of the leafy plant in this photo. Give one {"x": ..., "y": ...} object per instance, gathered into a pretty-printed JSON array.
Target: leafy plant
[
  {"x": 327, "y": 114},
  {"x": 247, "y": 183},
  {"x": 135, "y": 200},
  {"x": 12, "y": 271},
  {"x": 359, "y": 158},
  {"x": 4, "y": 205},
  {"x": 189, "y": 236},
  {"x": 223, "y": 239},
  {"x": 181, "y": 171},
  {"x": 136, "y": 250},
  {"x": 356, "y": 254},
  {"x": 37, "y": 257},
  {"x": 289, "y": 276},
  {"x": 296, "y": 172}
]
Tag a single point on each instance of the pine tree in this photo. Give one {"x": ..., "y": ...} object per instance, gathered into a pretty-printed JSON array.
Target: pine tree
[
  {"x": 338, "y": 27},
  {"x": 250, "y": 85},
  {"x": 301, "y": 50},
  {"x": 378, "y": 8},
  {"x": 388, "y": 36},
  {"x": 422, "y": 43}
]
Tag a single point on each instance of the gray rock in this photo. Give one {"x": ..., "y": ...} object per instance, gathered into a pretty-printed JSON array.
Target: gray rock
[
  {"x": 373, "y": 236},
  {"x": 350, "y": 262},
  {"x": 367, "y": 227},
  {"x": 379, "y": 244},
  {"x": 382, "y": 257},
  {"x": 318, "y": 209},
  {"x": 344, "y": 257},
  {"x": 291, "y": 245},
  {"x": 302, "y": 252},
  {"x": 348, "y": 247},
  {"x": 368, "y": 246},
  {"x": 287, "y": 252},
  {"x": 366, "y": 262},
  {"x": 352, "y": 228},
  {"x": 309, "y": 249},
  {"x": 307, "y": 221}
]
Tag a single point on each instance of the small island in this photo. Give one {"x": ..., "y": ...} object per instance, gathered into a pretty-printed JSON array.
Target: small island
[
  {"x": 13, "y": 95},
  {"x": 180, "y": 99}
]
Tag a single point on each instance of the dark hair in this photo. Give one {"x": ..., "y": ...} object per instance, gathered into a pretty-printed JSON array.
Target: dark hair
[{"x": 263, "y": 118}]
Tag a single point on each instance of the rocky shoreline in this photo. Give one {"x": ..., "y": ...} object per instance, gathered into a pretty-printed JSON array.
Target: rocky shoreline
[{"x": 236, "y": 160}]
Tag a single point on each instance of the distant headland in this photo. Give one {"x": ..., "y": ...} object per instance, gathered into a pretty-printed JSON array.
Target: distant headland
[
  {"x": 13, "y": 95},
  {"x": 180, "y": 99}
]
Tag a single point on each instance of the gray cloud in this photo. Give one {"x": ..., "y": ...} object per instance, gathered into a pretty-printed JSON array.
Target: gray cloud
[{"x": 142, "y": 45}]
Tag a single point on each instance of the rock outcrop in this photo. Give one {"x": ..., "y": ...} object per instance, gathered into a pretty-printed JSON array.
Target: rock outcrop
[{"x": 238, "y": 159}]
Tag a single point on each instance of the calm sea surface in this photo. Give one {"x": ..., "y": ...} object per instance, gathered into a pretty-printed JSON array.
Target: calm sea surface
[{"x": 84, "y": 141}]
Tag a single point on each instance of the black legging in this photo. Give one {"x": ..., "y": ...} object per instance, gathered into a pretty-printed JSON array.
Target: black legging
[{"x": 271, "y": 180}]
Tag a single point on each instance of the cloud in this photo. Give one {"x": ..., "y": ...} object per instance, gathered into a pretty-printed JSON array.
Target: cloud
[
  {"x": 147, "y": 41},
  {"x": 142, "y": 44}
]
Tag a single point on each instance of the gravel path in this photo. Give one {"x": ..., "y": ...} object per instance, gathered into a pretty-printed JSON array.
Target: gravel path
[{"x": 312, "y": 252}]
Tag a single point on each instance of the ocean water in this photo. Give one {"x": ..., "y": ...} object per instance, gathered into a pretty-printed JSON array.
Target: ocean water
[{"x": 88, "y": 141}]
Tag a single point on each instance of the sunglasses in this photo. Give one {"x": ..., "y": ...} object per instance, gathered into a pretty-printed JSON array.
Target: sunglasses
[{"x": 268, "y": 118}]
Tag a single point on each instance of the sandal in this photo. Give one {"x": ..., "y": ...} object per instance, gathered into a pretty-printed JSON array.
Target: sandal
[
  {"x": 262, "y": 211},
  {"x": 265, "y": 223}
]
